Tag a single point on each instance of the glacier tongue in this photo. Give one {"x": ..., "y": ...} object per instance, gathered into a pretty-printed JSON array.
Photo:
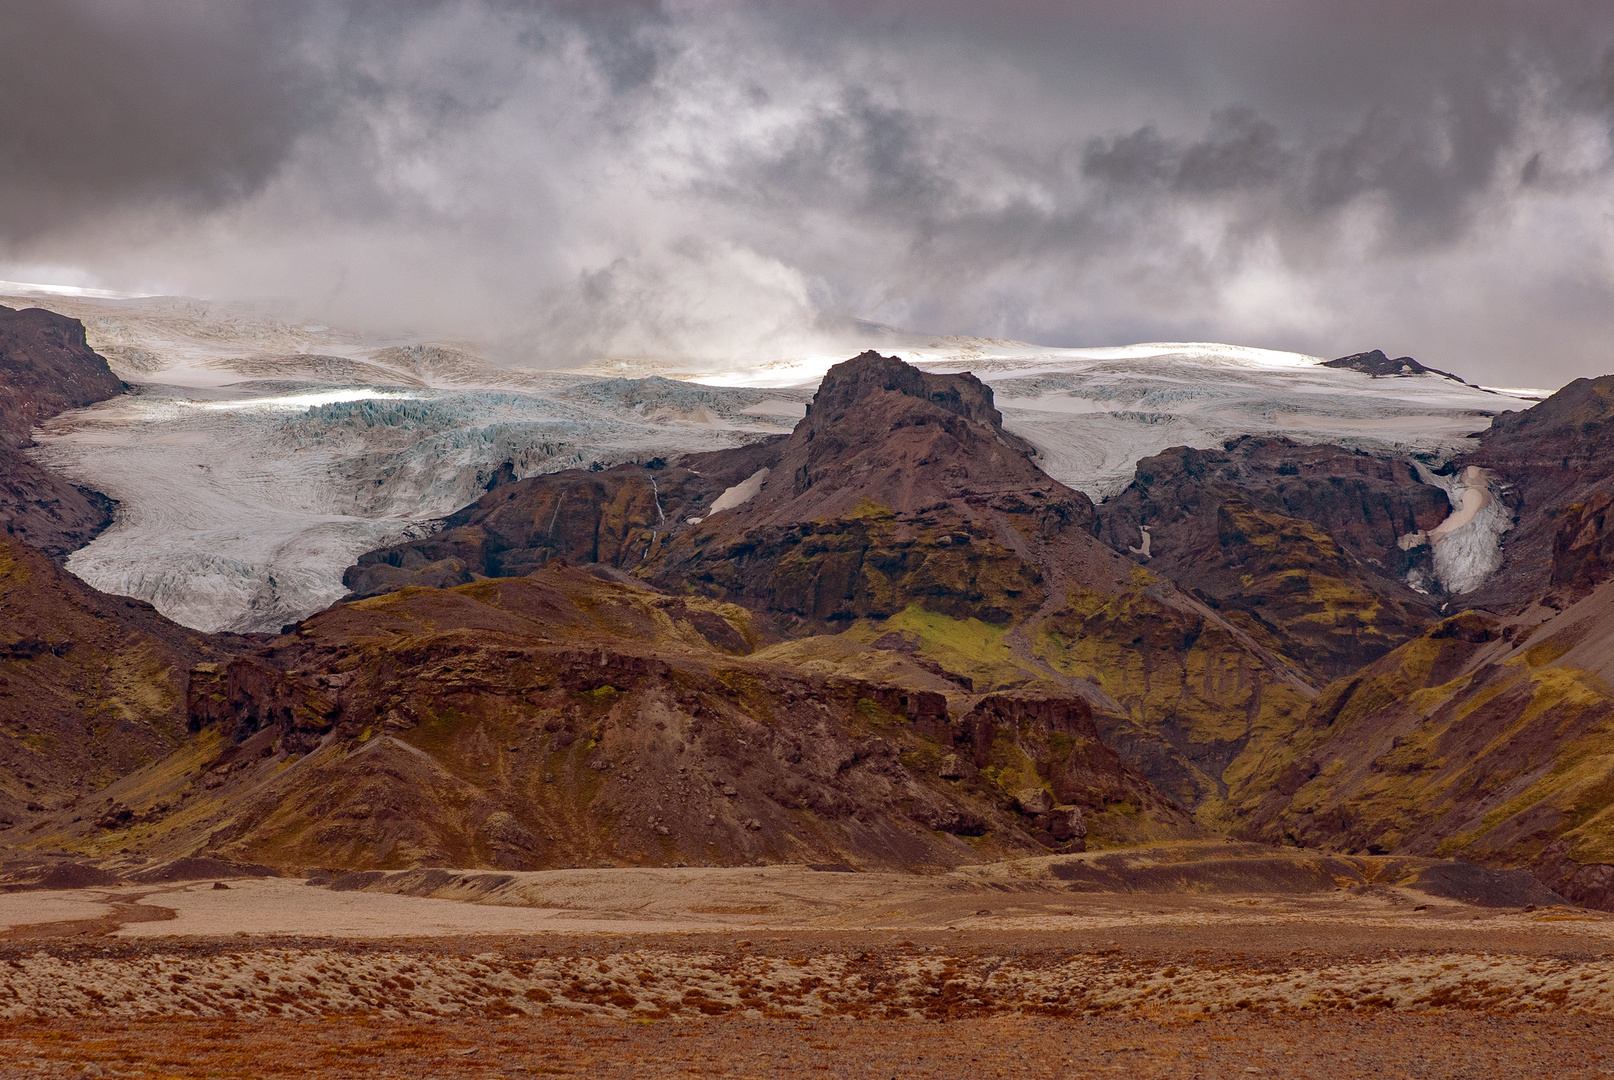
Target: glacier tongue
[
  {"x": 256, "y": 459},
  {"x": 240, "y": 512}
]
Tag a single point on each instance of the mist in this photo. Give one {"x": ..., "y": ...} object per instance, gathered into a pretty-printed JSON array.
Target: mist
[{"x": 724, "y": 184}]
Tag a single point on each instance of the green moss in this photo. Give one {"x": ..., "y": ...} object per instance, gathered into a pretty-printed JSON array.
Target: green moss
[
  {"x": 968, "y": 639},
  {"x": 867, "y": 509}
]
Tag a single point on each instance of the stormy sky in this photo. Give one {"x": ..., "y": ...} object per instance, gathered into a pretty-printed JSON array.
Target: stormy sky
[{"x": 731, "y": 182}]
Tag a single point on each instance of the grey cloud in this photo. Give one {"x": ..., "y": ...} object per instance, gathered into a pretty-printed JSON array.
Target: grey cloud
[
  {"x": 140, "y": 102},
  {"x": 593, "y": 177},
  {"x": 1241, "y": 152}
]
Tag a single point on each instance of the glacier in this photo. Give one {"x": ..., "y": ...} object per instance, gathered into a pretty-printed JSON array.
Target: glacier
[{"x": 255, "y": 458}]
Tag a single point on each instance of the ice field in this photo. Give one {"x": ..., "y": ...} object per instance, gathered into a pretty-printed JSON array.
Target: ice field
[{"x": 254, "y": 459}]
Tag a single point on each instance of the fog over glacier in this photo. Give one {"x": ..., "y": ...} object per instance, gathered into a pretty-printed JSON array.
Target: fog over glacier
[{"x": 738, "y": 182}]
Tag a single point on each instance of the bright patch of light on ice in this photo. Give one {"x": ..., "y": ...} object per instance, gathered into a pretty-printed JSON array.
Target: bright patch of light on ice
[
  {"x": 32, "y": 288},
  {"x": 311, "y": 399},
  {"x": 803, "y": 370},
  {"x": 999, "y": 355}
]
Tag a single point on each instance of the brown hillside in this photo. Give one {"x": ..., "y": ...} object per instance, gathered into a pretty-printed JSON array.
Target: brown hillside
[
  {"x": 46, "y": 368},
  {"x": 91, "y": 686},
  {"x": 1295, "y": 543},
  {"x": 1484, "y": 738},
  {"x": 559, "y": 719}
]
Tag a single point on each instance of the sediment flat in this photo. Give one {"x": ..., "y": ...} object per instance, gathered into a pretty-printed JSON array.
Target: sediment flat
[{"x": 823, "y": 973}]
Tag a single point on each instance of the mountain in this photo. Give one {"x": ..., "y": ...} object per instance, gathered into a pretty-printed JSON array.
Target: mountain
[
  {"x": 260, "y": 457},
  {"x": 1484, "y": 735},
  {"x": 724, "y": 678},
  {"x": 1299, "y": 544},
  {"x": 557, "y": 719},
  {"x": 46, "y": 367},
  {"x": 891, "y": 638},
  {"x": 91, "y": 686},
  {"x": 900, "y": 520},
  {"x": 1484, "y": 738}
]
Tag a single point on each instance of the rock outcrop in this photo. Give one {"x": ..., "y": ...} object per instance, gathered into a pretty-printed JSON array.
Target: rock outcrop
[
  {"x": 1378, "y": 365},
  {"x": 1296, "y": 543},
  {"x": 1547, "y": 459},
  {"x": 897, "y": 488},
  {"x": 613, "y": 517},
  {"x": 46, "y": 367}
]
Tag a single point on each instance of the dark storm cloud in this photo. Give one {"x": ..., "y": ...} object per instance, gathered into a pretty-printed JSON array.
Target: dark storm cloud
[
  {"x": 1241, "y": 152},
  {"x": 731, "y": 179},
  {"x": 114, "y": 104}
]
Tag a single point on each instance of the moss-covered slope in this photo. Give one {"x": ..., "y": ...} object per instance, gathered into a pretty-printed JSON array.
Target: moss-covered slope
[
  {"x": 558, "y": 719},
  {"x": 1296, "y": 544},
  {"x": 91, "y": 686},
  {"x": 1484, "y": 738}
]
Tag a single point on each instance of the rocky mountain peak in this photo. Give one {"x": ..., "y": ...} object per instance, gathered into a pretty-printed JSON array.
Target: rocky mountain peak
[
  {"x": 880, "y": 431},
  {"x": 1378, "y": 365},
  {"x": 870, "y": 376}
]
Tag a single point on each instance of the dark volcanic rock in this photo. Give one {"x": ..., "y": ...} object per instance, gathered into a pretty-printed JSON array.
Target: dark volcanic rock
[
  {"x": 1583, "y": 549},
  {"x": 46, "y": 511},
  {"x": 1299, "y": 541},
  {"x": 614, "y": 517},
  {"x": 1379, "y": 366},
  {"x": 46, "y": 368},
  {"x": 1550, "y": 457},
  {"x": 898, "y": 487}
]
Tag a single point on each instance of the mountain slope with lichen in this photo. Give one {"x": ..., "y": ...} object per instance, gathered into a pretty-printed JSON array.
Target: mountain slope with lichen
[{"x": 558, "y": 719}]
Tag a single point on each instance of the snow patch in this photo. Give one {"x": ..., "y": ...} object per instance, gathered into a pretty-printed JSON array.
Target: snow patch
[{"x": 740, "y": 493}]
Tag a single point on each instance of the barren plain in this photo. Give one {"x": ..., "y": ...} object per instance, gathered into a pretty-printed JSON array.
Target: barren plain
[{"x": 792, "y": 971}]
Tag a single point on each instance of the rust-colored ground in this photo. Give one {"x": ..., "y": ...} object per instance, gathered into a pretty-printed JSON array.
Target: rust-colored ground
[
  {"x": 823, "y": 975},
  {"x": 1382, "y": 1045}
]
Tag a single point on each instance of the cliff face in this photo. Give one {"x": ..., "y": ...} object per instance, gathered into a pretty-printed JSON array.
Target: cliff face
[
  {"x": 1295, "y": 543},
  {"x": 614, "y": 518},
  {"x": 46, "y": 368},
  {"x": 1548, "y": 459}
]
